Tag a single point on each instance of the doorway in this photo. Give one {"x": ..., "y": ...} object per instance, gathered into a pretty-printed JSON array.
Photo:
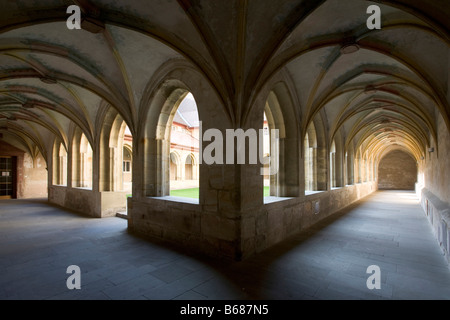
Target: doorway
[{"x": 8, "y": 173}]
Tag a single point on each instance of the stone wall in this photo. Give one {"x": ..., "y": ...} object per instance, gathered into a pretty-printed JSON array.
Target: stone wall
[
  {"x": 437, "y": 163},
  {"x": 434, "y": 192},
  {"x": 397, "y": 171},
  {"x": 88, "y": 202},
  {"x": 31, "y": 173},
  {"x": 279, "y": 220},
  {"x": 237, "y": 236},
  {"x": 438, "y": 214},
  {"x": 76, "y": 199}
]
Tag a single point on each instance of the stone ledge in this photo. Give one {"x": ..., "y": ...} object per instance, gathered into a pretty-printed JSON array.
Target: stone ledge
[
  {"x": 272, "y": 199},
  {"x": 438, "y": 214}
]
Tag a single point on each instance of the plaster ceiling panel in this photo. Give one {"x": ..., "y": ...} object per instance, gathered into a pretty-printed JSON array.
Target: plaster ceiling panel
[
  {"x": 351, "y": 122},
  {"x": 423, "y": 101},
  {"x": 335, "y": 107},
  {"x": 163, "y": 18},
  {"x": 421, "y": 50},
  {"x": 57, "y": 64},
  {"x": 266, "y": 23},
  {"x": 366, "y": 78},
  {"x": 9, "y": 63},
  {"x": 219, "y": 24},
  {"x": 15, "y": 141},
  {"x": 399, "y": 126},
  {"x": 60, "y": 121},
  {"x": 35, "y": 96},
  {"x": 88, "y": 102},
  {"x": 363, "y": 59},
  {"x": 435, "y": 12},
  {"x": 21, "y": 113},
  {"x": 337, "y": 17},
  {"x": 56, "y": 120},
  {"x": 141, "y": 56},
  {"x": 90, "y": 50},
  {"x": 56, "y": 93},
  {"x": 305, "y": 69},
  {"x": 378, "y": 101},
  {"x": 18, "y": 11}
]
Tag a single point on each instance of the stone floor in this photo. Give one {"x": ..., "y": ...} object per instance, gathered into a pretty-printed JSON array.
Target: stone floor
[{"x": 388, "y": 229}]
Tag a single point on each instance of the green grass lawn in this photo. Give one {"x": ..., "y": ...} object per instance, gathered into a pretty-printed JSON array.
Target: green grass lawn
[
  {"x": 194, "y": 193},
  {"x": 186, "y": 193},
  {"x": 266, "y": 191}
]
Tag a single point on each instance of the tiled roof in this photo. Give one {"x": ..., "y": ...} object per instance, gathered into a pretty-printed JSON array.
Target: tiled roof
[{"x": 187, "y": 113}]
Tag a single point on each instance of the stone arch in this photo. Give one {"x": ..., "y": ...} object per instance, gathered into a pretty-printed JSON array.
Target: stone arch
[
  {"x": 163, "y": 138},
  {"x": 127, "y": 167},
  {"x": 310, "y": 158},
  {"x": 315, "y": 158},
  {"x": 59, "y": 173},
  {"x": 284, "y": 148},
  {"x": 111, "y": 146},
  {"x": 189, "y": 167},
  {"x": 82, "y": 161},
  {"x": 365, "y": 167},
  {"x": 321, "y": 160},
  {"x": 163, "y": 95},
  {"x": 333, "y": 166},
  {"x": 350, "y": 164},
  {"x": 357, "y": 165},
  {"x": 339, "y": 161},
  {"x": 156, "y": 155},
  {"x": 175, "y": 165}
]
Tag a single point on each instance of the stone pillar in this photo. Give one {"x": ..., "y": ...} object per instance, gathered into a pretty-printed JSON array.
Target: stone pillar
[{"x": 104, "y": 168}]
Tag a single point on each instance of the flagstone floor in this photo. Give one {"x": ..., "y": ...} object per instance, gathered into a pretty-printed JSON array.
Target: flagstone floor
[{"x": 329, "y": 261}]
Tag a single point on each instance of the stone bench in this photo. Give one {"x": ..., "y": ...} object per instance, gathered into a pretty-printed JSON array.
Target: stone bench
[{"x": 438, "y": 213}]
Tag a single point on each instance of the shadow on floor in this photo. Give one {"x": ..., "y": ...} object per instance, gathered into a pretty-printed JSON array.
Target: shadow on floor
[{"x": 327, "y": 261}]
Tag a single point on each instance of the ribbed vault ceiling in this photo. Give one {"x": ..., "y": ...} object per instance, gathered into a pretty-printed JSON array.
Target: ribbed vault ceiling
[{"x": 384, "y": 96}]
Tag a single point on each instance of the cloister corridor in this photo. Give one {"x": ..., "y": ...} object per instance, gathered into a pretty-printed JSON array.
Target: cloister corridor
[
  {"x": 224, "y": 150},
  {"x": 327, "y": 261}
]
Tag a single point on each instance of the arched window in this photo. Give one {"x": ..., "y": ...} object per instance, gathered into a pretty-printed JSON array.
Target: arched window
[
  {"x": 270, "y": 151},
  {"x": 81, "y": 162},
  {"x": 370, "y": 168},
  {"x": 358, "y": 164},
  {"x": 310, "y": 158},
  {"x": 126, "y": 164},
  {"x": 190, "y": 168},
  {"x": 115, "y": 155},
  {"x": 174, "y": 166},
  {"x": 333, "y": 167},
  {"x": 85, "y": 163},
  {"x": 59, "y": 164},
  {"x": 266, "y": 158},
  {"x": 349, "y": 160},
  {"x": 366, "y": 167},
  {"x": 183, "y": 129},
  {"x": 127, "y": 168},
  {"x": 171, "y": 132},
  {"x": 280, "y": 152}
]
